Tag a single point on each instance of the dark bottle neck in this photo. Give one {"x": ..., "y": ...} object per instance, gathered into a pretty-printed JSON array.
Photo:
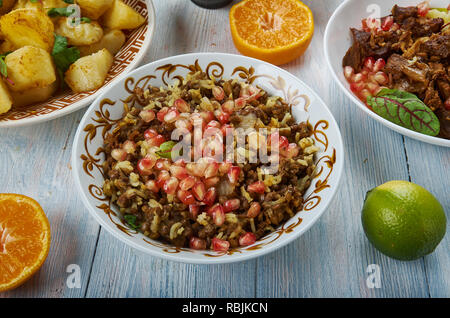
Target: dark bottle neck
[{"x": 212, "y": 4}]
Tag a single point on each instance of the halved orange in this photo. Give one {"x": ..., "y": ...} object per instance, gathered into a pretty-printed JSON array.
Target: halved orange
[
  {"x": 24, "y": 239},
  {"x": 276, "y": 31}
]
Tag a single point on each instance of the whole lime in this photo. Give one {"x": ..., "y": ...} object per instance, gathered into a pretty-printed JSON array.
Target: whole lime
[{"x": 403, "y": 220}]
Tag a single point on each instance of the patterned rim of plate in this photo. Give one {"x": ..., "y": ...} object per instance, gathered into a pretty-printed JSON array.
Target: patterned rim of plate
[{"x": 130, "y": 55}]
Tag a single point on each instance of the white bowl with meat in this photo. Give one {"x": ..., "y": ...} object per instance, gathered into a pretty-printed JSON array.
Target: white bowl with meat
[
  {"x": 207, "y": 209},
  {"x": 391, "y": 59}
]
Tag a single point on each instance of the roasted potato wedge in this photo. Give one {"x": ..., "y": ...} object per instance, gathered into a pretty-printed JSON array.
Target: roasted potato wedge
[
  {"x": 89, "y": 72},
  {"x": 7, "y": 5},
  {"x": 27, "y": 4},
  {"x": 6, "y": 47},
  {"x": 122, "y": 16},
  {"x": 5, "y": 98},
  {"x": 24, "y": 27},
  {"x": 113, "y": 41},
  {"x": 82, "y": 34},
  {"x": 94, "y": 8},
  {"x": 34, "y": 95},
  {"x": 29, "y": 67}
]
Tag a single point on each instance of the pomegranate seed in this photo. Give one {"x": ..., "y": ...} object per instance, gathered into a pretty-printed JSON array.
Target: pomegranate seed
[
  {"x": 370, "y": 24},
  {"x": 423, "y": 8},
  {"x": 358, "y": 78},
  {"x": 162, "y": 164},
  {"x": 182, "y": 106},
  {"x": 240, "y": 103},
  {"x": 162, "y": 113},
  {"x": 152, "y": 186},
  {"x": 228, "y": 106},
  {"x": 233, "y": 174},
  {"x": 224, "y": 167},
  {"x": 188, "y": 183},
  {"x": 162, "y": 178},
  {"x": 213, "y": 124},
  {"x": 231, "y": 205},
  {"x": 387, "y": 23},
  {"x": 291, "y": 151},
  {"x": 218, "y": 93},
  {"x": 147, "y": 115},
  {"x": 254, "y": 210},
  {"x": 210, "y": 196},
  {"x": 283, "y": 142},
  {"x": 150, "y": 133},
  {"x": 381, "y": 78},
  {"x": 211, "y": 182},
  {"x": 379, "y": 65},
  {"x": 369, "y": 62},
  {"x": 171, "y": 116},
  {"x": 257, "y": 187},
  {"x": 193, "y": 210},
  {"x": 197, "y": 243},
  {"x": 349, "y": 72},
  {"x": 129, "y": 146},
  {"x": 222, "y": 116},
  {"x": 218, "y": 214},
  {"x": 365, "y": 93},
  {"x": 119, "y": 154},
  {"x": 357, "y": 87},
  {"x": 253, "y": 92},
  {"x": 180, "y": 163},
  {"x": 183, "y": 123},
  {"x": 219, "y": 245},
  {"x": 197, "y": 169},
  {"x": 373, "y": 88},
  {"x": 247, "y": 239},
  {"x": 156, "y": 141},
  {"x": 211, "y": 170},
  {"x": 226, "y": 129},
  {"x": 178, "y": 172},
  {"x": 170, "y": 186},
  {"x": 207, "y": 116},
  {"x": 199, "y": 191},
  {"x": 145, "y": 165},
  {"x": 186, "y": 197}
]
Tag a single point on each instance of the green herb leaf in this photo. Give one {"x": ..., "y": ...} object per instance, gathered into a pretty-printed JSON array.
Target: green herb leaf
[
  {"x": 63, "y": 56},
  {"x": 1, "y": 3},
  {"x": 69, "y": 1},
  {"x": 165, "y": 149},
  {"x": 34, "y": 1},
  {"x": 60, "y": 12},
  {"x": 405, "y": 109},
  {"x": 3, "y": 67},
  {"x": 131, "y": 221}
]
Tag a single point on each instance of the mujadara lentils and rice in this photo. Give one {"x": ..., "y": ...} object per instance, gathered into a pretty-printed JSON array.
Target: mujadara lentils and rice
[{"x": 206, "y": 204}]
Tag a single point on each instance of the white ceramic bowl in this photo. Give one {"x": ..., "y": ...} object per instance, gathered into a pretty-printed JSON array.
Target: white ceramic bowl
[
  {"x": 307, "y": 106},
  {"x": 337, "y": 40},
  {"x": 127, "y": 59}
]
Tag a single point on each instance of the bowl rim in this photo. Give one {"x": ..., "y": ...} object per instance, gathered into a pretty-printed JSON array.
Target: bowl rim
[
  {"x": 205, "y": 260},
  {"x": 404, "y": 131},
  {"x": 151, "y": 22}
]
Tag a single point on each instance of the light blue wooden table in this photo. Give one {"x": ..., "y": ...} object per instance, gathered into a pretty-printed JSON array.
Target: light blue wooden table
[{"x": 330, "y": 260}]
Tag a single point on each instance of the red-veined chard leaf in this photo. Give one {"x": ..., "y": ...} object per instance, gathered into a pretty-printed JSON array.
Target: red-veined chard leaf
[{"x": 405, "y": 109}]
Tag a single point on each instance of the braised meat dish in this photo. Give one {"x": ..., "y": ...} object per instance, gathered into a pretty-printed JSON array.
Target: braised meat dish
[{"x": 407, "y": 51}]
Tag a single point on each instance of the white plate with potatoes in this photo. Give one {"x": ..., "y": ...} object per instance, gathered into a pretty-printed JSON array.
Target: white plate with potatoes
[{"x": 56, "y": 56}]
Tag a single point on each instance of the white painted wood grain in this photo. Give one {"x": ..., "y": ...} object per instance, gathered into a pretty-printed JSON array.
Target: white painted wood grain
[{"x": 330, "y": 260}]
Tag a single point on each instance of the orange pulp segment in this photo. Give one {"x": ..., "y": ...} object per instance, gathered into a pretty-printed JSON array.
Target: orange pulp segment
[
  {"x": 276, "y": 31},
  {"x": 24, "y": 239}
]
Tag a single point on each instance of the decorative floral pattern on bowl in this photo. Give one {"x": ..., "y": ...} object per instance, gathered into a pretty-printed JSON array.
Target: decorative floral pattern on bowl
[
  {"x": 104, "y": 113},
  {"x": 132, "y": 52}
]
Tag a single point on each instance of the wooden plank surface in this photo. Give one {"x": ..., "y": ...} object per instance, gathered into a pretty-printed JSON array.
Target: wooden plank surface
[{"x": 330, "y": 260}]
